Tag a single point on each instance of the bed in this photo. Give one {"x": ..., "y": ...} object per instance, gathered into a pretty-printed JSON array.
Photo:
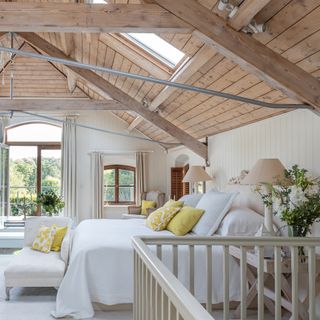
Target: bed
[
  {"x": 101, "y": 268},
  {"x": 101, "y": 262}
]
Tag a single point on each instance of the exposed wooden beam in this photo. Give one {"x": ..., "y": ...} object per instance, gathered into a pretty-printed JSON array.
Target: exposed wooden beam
[
  {"x": 246, "y": 12},
  {"x": 118, "y": 95},
  {"x": 72, "y": 81},
  {"x": 182, "y": 75},
  {"x": 249, "y": 53},
  {"x": 59, "y": 104},
  {"x": 76, "y": 17}
]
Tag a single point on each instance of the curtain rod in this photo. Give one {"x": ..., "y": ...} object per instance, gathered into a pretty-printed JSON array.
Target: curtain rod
[{"x": 157, "y": 81}]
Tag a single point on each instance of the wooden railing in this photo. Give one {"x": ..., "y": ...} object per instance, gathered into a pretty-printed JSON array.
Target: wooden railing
[{"x": 159, "y": 295}]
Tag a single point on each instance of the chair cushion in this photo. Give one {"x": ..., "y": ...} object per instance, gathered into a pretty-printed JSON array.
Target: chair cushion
[
  {"x": 152, "y": 196},
  {"x": 58, "y": 238},
  {"x": 34, "y": 223},
  {"x": 33, "y": 268},
  {"x": 147, "y": 205},
  {"x": 44, "y": 239}
]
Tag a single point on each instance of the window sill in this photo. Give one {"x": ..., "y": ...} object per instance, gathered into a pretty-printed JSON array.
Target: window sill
[{"x": 118, "y": 205}]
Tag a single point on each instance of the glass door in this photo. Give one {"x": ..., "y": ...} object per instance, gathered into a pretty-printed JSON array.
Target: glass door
[{"x": 4, "y": 183}]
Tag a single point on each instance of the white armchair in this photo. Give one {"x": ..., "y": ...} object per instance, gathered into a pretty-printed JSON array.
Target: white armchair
[{"x": 32, "y": 268}]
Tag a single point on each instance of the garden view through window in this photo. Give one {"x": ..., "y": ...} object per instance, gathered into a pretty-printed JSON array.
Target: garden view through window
[
  {"x": 34, "y": 165},
  {"x": 119, "y": 184}
]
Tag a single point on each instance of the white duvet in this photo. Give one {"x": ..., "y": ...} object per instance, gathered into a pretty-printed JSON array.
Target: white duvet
[{"x": 101, "y": 268}]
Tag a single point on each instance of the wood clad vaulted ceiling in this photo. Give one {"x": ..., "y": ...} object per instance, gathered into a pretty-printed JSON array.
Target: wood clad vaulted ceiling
[{"x": 292, "y": 31}]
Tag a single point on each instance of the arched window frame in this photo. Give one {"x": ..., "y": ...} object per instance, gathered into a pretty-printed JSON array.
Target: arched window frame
[
  {"x": 117, "y": 168},
  {"x": 40, "y": 145}
]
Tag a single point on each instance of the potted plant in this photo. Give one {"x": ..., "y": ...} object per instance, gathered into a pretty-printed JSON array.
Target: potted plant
[
  {"x": 50, "y": 202},
  {"x": 296, "y": 201}
]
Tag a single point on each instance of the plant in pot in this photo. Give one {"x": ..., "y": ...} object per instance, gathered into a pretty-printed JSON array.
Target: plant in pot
[
  {"x": 50, "y": 202},
  {"x": 296, "y": 201}
]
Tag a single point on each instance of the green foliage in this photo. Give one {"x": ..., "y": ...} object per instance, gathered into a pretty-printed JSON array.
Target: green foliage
[
  {"x": 23, "y": 181},
  {"x": 50, "y": 202},
  {"x": 296, "y": 201}
]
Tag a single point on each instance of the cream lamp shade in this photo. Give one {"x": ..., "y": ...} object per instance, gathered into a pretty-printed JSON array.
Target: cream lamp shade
[
  {"x": 265, "y": 171},
  {"x": 196, "y": 174}
]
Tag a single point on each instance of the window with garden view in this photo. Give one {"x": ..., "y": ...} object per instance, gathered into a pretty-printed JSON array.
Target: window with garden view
[
  {"x": 119, "y": 184},
  {"x": 34, "y": 165}
]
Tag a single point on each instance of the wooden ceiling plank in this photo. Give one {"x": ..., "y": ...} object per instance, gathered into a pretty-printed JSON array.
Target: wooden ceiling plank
[
  {"x": 246, "y": 12},
  {"x": 110, "y": 90},
  {"x": 182, "y": 75},
  {"x": 247, "y": 52},
  {"x": 78, "y": 17},
  {"x": 58, "y": 104},
  {"x": 67, "y": 42}
]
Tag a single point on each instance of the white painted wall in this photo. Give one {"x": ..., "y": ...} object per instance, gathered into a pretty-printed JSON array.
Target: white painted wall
[
  {"x": 93, "y": 141},
  {"x": 88, "y": 141},
  {"x": 294, "y": 138}
]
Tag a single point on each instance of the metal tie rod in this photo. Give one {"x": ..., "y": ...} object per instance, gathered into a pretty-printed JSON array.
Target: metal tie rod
[
  {"x": 117, "y": 133},
  {"x": 155, "y": 80}
]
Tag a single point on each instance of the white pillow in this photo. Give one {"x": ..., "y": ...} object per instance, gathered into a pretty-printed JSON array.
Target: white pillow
[
  {"x": 191, "y": 200},
  {"x": 240, "y": 222},
  {"x": 216, "y": 205}
]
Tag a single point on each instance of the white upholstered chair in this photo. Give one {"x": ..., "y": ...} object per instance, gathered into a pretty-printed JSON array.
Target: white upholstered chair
[{"x": 32, "y": 268}]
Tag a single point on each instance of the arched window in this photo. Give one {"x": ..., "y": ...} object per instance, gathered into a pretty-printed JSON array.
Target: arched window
[
  {"x": 35, "y": 163},
  {"x": 119, "y": 184}
]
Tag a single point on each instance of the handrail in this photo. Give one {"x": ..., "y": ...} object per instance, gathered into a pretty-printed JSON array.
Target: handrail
[
  {"x": 186, "y": 303},
  {"x": 231, "y": 241}
]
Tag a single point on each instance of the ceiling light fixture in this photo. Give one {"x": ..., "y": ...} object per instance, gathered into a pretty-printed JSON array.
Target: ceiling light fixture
[{"x": 254, "y": 27}]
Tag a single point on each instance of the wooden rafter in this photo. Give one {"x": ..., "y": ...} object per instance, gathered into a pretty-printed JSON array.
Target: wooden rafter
[
  {"x": 249, "y": 53},
  {"x": 182, "y": 75},
  {"x": 104, "y": 86},
  {"x": 246, "y": 12},
  {"x": 59, "y": 104},
  {"x": 76, "y": 17}
]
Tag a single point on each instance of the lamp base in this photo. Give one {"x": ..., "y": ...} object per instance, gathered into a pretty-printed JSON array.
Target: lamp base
[{"x": 268, "y": 221}]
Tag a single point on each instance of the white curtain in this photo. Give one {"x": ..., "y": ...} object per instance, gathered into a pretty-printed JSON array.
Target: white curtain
[
  {"x": 140, "y": 175},
  {"x": 69, "y": 169},
  {"x": 3, "y": 124},
  {"x": 97, "y": 185}
]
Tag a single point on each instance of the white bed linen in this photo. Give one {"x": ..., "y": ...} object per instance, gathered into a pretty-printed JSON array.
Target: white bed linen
[{"x": 101, "y": 268}]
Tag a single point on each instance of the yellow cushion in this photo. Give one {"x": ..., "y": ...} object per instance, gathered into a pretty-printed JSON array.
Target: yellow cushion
[
  {"x": 173, "y": 203},
  {"x": 147, "y": 205},
  {"x": 185, "y": 220},
  {"x": 159, "y": 219},
  {"x": 58, "y": 238},
  {"x": 43, "y": 240}
]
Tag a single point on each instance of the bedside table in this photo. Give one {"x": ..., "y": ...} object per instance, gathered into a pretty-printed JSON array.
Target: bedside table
[
  {"x": 133, "y": 216},
  {"x": 286, "y": 288}
]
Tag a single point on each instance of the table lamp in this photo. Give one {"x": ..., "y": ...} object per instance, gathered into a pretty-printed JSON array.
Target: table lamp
[
  {"x": 268, "y": 171},
  {"x": 196, "y": 174}
]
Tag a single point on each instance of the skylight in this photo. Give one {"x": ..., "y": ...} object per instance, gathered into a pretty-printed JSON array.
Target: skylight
[{"x": 158, "y": 47}]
